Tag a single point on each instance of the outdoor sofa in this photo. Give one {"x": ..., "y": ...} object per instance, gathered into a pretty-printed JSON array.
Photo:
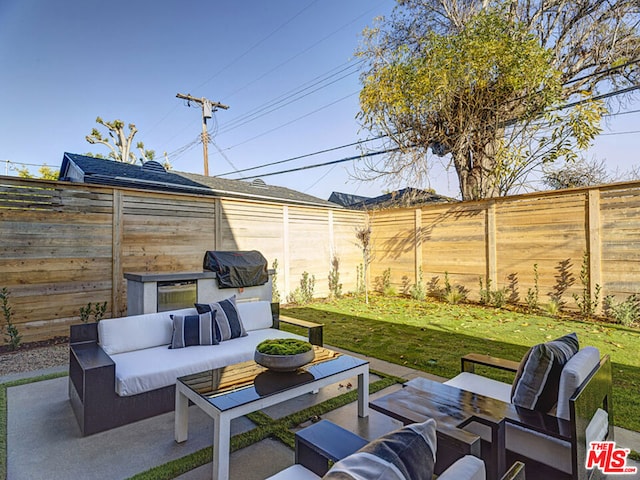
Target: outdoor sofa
[{"x": 122, "y": 370}]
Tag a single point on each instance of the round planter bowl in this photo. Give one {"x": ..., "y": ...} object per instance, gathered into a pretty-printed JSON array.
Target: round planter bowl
[{"x": 284, "y": 363}]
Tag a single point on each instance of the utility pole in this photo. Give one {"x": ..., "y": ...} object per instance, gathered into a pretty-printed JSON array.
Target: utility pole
[{"x": 208, "y": 107}]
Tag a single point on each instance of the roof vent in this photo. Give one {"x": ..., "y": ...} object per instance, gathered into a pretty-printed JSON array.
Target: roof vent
[
  {"x": 153, "y": 166},
  {"x": 258, "y": 182}
]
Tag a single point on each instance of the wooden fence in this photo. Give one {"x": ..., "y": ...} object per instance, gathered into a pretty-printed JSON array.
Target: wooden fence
[
  {"x": 506, "y": 240},
  {"x": 64, "y": 245}
]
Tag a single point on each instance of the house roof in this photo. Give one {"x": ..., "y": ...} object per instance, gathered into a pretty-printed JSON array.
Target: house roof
[
  {"x": 153, "y": 176},
  {"x": 346, "y": 199},
  {"x": 399, "y": 198}
]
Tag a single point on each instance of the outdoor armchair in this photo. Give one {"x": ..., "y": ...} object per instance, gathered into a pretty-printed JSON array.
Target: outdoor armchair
[{"x": 555, "y": 432}]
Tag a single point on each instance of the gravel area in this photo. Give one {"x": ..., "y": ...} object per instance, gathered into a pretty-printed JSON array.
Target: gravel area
[{"x": 34, "y": 359}]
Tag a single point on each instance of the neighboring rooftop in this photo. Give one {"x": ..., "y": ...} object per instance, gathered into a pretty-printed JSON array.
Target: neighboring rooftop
[
  {"x": 406, "y": 197},
  {"x": 153, "y": 176}
]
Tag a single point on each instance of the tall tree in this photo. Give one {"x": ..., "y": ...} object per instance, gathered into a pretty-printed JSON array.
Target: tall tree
[
  {"x": 488, "y": 83},
  {"x": 121, "y": 148}
]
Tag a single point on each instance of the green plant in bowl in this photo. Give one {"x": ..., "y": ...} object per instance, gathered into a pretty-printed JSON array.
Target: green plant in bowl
[
  {"x": 283, "y": 346},
  {"x": 284, "y": 354}
]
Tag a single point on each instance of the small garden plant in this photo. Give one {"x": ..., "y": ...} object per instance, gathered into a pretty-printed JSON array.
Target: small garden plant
[
  {"x": 98, "y": 312},
  {"x": 12, "y": 337},
  {"x": 304, "y": 293},
  {"x": 283, "y": 346}
]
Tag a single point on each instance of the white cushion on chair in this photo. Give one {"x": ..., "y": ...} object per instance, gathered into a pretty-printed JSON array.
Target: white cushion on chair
[
  {"x": 573, "y": 374},
  {"x": 482, "y": 386},
  {"x": 466, "y": 468},
  {"x": 295, "y": 472}
]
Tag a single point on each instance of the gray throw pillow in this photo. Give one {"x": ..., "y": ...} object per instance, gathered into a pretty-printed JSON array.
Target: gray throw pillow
[
  {"x": 538, "y": 377},
  {"x": 408, "y": 453}
]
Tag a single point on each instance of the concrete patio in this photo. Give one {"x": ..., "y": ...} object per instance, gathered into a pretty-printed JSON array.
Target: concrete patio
[{"x": 44, "y": 440}]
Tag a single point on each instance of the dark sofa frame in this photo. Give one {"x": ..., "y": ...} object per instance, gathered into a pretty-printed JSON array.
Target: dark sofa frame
[{"x": 92, "y": 380}]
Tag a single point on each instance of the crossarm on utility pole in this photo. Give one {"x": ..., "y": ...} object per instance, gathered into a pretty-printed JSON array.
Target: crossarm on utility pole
[{"x": 207, "y": 108}]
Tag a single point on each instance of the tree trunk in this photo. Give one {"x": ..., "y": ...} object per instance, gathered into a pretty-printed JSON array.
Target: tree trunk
[{"x": 476, "y": 174}]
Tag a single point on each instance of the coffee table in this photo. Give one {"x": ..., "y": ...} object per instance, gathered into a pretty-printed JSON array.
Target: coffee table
[{"x": 230, "y": 392}]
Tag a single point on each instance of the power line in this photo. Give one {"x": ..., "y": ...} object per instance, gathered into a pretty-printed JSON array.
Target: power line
[
  {"x": 292, "y": 121},
  {"x": 257, "y": 44},
  {"x": 598, "y": 97},
  {"x": 359, "y": 142},
  {"x": 326, "y": 37},
  {"x": 277, "y": 103},
  {"x": 621, "y": 133},
  {"x": 333, "y": 162}
]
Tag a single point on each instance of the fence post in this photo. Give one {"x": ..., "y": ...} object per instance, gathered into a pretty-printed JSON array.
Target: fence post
[
  {"x": 490, "y": 232},
  {"x": 217, "y": 241},
  {"x": 286, "y": 261},
  {"x": 594, "y": 246},
  {"x": 418, "y": 244},
  {"x": 117, "y": 279}
]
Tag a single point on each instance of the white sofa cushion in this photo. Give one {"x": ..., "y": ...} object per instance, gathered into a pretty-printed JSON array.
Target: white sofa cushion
[
  {"x": 126, "y": 334},
  {"x": 255, "y": 315},
  {"x": 147, "y": 369}
]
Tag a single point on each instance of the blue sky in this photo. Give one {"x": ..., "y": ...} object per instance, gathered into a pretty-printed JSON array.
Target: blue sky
[{"x": 65, "y": 63}]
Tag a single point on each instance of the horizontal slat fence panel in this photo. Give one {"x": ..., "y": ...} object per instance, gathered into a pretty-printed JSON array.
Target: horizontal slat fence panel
[
  {"x": 620, "y": 234},
  {"x": 393, "y": 239},
  {"x": 55, "y": 255},
  {"x": 546, "y": 231},
  {"x": 346, "y": 247},
  {"x": 309, "y": 247},
  {"x": 164, "y": 233}
]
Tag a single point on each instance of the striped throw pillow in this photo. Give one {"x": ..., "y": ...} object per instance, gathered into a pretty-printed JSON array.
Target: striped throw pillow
[
  {"x": 191, "y": 330},
  {"x": 405, "y": 454},
  {"x": 538, "y": 377},
  {"x": 227, "y": 317}
]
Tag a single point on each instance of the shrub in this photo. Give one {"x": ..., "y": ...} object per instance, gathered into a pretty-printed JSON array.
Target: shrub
[
  {"x": 533, "y": 294},
  {"x": 387, "y": 289},
  {"x": 304, "y": 293},
  {"x": 275, "y": 293},
  {"x": 553, "y": 307},
  {"x": 12, "y": 337},
  {"x": 496, "y": 298},
  {"x": 585, "y": 303},
  {"x": 418, "y": 292},
  {"x": 626, "y": 312},
  {"x": 455, "y": 295}
]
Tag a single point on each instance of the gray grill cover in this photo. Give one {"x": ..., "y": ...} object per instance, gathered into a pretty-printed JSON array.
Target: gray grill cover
[{"x": 237, "y": 269}]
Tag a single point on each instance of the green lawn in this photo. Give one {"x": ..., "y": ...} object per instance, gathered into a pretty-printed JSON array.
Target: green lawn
[{"x": 432, "y": 336}]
